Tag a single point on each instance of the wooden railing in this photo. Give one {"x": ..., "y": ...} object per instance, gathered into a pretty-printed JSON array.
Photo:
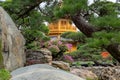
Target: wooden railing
[
  {"x": 62, "y": 29},
  {"x": 61, "y": 26}
]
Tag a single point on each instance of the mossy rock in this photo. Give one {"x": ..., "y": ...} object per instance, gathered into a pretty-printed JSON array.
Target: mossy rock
[{"x": 1, "y": 57}]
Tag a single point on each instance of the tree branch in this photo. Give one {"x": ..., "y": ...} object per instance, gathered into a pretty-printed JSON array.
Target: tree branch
[
  {"x": 83, "y": 26},
  {"x": 31, "y": 7}
]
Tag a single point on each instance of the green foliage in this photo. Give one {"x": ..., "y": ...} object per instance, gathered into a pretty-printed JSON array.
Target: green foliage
[
  {"x": 84, "y": 53},
  {"x": 4, "y": 74},
  {"x": 79, "y": 63},
  {"x": 34, "y": 45},
  {"x": 107, "y": 19},
  {"x": 75, "y": 36},
  {"x": 56, "y": 47},
  {"x": 31, "y": 24},
  {"x": 68, "y": 8},
  {"x": 103, "y": 39},
  {"x": 75, "y": 54},
  {"x": 8, "y": 0},
  {"x": 106, "y": 22},
  {"x": 33, "y": 36},
  {"x": 34, "y": 29},
  {"x": 104, "y": 8},
  {"x": 87, "y": 55},
  {"x": 63, "y": 48},
  {"x": 95, "y": 43}
]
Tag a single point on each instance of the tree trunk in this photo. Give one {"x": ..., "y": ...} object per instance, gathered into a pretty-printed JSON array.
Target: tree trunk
[
  {"x": 82, "y": 25},
  {"x": 114, "y": 50},
  {"x": 26, "y": 11},
  {"x": 88, "y": 30}
]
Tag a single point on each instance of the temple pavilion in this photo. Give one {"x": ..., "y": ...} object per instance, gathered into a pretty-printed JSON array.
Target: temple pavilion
[{"x": 58, "y": 27}]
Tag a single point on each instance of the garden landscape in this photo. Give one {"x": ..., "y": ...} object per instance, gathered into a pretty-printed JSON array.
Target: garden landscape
[{"x": 59, "y": 40}]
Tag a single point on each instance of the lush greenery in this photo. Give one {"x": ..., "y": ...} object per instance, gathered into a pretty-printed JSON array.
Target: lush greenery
[
  {"x": 105, "y": 31},
  {"x": 107, "y": 21},
  {"x": 34, "y": 37},
  {"x": 106, "y": 24},
  {"x": 31, "y": 25},
  {"x": 4, "y": 74},
  {"x": 74, "y": 36}
]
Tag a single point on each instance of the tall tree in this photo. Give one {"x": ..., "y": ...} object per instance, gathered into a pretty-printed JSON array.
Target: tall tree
[{"x": 103, "y": 29}]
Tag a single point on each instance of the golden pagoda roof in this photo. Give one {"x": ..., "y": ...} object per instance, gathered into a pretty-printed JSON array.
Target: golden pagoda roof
[{"x": 61, "y": 26}]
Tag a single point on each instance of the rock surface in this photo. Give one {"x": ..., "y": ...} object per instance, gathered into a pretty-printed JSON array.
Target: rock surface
[
  {"x": 42, "y": 72},
  {"x": 104, "y": 73},
  {"x": 87, "y": 74},
  {"x": 38, "y": 57},
  {"x": 107, "y": 73},
  {"x": 12, "y": 42},
  {"x": 61, "y": 65}
]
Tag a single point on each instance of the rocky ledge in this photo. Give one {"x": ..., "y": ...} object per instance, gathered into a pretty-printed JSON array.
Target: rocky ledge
[{"x": 103, "y": 73}]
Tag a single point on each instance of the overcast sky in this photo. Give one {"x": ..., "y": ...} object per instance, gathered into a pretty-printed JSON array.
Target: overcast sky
[{"x": 91, "y": 1}]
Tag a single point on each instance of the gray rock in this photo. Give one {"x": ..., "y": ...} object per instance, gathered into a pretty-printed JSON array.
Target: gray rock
[
  {"x": 12, "y": 42},
  {"x": 104, "y": 73},
  {"x": 107, "y": 73},
  {"x": 61, "y": 65},
  {"x": 42, "y": 72},
  {"x": 38, "y": 57},
  {"x": 87, "y": 74}
]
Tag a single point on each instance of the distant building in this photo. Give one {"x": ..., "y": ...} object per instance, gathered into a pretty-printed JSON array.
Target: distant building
[
  {"x": 58, "y": 27},
  {"x": 61, "y": 26}
]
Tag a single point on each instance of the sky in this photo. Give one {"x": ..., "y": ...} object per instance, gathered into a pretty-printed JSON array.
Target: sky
[{"x": 91, "y": 1}]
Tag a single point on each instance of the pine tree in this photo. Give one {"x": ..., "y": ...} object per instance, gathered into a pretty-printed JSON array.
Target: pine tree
[{"x": 103, "y": 30}]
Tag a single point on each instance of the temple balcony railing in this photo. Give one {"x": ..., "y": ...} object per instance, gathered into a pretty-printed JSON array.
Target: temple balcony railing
[{"x": 62, "y": 29}]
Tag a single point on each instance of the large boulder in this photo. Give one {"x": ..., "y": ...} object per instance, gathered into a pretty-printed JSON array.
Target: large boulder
[
  {"x": 42, "y": 72},
  {"x": 12, "y": 42}
]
